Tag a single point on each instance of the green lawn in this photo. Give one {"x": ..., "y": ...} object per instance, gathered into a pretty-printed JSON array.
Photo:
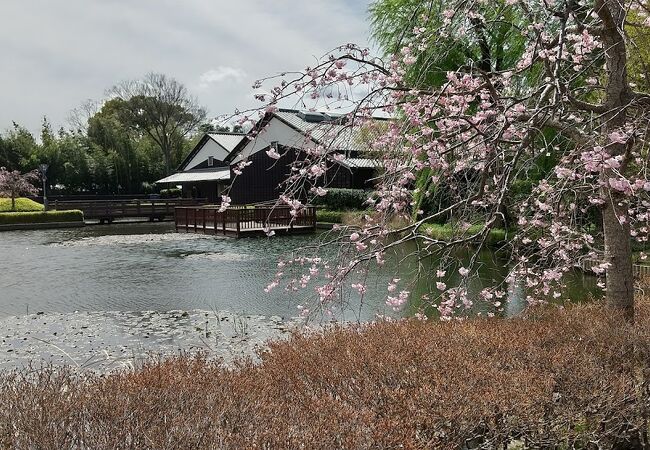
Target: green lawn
[{"x": 22, "y": 205}]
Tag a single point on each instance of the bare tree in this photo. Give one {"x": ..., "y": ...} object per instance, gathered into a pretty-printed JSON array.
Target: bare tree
[
  {"x": 78, "y": 118},
  {"x": 160, "y": 107}
]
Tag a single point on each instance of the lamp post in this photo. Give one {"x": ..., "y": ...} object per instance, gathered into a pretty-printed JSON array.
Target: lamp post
[{"x": 43, "y": 168}]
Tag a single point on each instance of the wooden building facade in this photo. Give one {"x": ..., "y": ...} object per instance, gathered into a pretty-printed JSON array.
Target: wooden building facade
[
  {"x": 289, "y": 131},
  {"x": 209, "y": 170}
]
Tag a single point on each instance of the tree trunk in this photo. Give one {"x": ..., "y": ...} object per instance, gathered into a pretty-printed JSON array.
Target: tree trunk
[
  {"x": 616, "y": 226},
  {"x": 618, "y": 252},
  {"x": 13, "y": 202},
  {"x": 167, "y": 154}
]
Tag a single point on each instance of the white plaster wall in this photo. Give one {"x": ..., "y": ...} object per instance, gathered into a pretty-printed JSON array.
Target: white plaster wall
[
  {"x": 276, "y": 131},
  {"x": 210, "y": 148}
]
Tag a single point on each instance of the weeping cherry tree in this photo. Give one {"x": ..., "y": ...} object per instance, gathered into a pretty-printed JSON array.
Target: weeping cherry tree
[{"x": 566, "y": 96}]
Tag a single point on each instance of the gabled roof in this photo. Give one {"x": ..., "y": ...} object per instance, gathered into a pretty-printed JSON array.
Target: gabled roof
[
  {"x": 227, "y": 141},
  {"x": 329, "y": 129},
  {"x": 323, "y": 128},
  {"x": 360, "y": 163}
]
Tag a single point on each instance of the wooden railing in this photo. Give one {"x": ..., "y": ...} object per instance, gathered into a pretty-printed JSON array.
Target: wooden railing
[
  {"x": 638, "y": 270},
  {"x": 240, "y": 220},
  {"x": 107, "y": 210}
]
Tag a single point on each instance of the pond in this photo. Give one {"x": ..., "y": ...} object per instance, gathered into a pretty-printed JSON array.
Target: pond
[{"x": 144, "y": 266}]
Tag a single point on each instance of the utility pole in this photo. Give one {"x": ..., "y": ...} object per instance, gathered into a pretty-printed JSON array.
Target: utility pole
[{"x": 43, "y": 168}]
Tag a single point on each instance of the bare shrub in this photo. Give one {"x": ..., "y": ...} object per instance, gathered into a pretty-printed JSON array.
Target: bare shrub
[{"x": 573, "y": 378}]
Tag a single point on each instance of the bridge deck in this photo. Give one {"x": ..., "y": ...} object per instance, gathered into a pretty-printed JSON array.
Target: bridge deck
[
  {"x": 108, "y": 210},
  {"x": 238, "y": 222}
]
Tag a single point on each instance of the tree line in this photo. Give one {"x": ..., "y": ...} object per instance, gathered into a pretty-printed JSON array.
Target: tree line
[{"x": 140, "y": 133}]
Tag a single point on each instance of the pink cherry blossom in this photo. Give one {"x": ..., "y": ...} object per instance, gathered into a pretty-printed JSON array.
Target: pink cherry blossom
[
  {"x": 455, "y": 152},
  {"x": 273, "y": 153},
  {"x": 617, "y": 137}
]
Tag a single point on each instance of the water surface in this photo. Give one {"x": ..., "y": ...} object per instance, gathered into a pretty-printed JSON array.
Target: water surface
[
  {"x": 144, "y": 266},
  {"x": 134, "y": 267}
]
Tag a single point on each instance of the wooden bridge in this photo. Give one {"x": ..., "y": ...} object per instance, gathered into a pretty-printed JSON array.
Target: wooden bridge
[
  {"x": 244, "y": 221},
  {"x": 108, "y": 210}
]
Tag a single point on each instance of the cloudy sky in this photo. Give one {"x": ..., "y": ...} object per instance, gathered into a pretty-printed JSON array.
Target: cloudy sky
[{"x": 58, "y": 53}]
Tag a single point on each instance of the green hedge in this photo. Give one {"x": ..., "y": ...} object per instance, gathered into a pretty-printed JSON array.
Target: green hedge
[
  {"x": 73, "y": 215},
  {"x": 171, "y": 193},
  {"x": 22, "y": 205},
  {"x": 344, "y": 199}
]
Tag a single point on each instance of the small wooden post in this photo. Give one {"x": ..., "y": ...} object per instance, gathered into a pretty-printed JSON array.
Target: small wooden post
[
  {"x": 187, "y": 212},
  {"x": 203, "y": 209},
  {"x": 223, "y": 220},
  {"x": 237, "y": 216}
]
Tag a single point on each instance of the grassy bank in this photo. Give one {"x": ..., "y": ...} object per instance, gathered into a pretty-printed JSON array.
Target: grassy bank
[
  {"x": 328, "y": 216},
  {"x": 22, "y": 205},
  {"x": 348, "y": 217},
  {"x": 448, "y": 232},
  {"x": 13, "y": 218},
  {"x": 557, "y": 378}
]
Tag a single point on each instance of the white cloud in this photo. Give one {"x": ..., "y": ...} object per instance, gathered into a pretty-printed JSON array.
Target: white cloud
[{"x": 220, "y": 74}]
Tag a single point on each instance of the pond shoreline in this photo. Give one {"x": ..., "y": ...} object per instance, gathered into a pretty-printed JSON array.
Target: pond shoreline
[
  {"x": 106, "y": 341},
  {"x": 41, "y": 226}
]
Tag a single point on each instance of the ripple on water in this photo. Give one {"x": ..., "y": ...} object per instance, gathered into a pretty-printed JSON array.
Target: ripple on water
[
  {"x": 150, "y": 267},
  {"x": 217, "y": 256},
  {"x": 128, "y": 239},
  {"x": 139, "y": 267}
]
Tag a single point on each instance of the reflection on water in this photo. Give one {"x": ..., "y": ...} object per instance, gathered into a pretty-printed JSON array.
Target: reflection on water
[
  {"x": 492, "y": 269},
  {"x": 138, "y": 267}
]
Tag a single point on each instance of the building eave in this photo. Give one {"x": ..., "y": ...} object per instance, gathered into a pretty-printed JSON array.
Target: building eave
[{"x": 195, "y": 176}]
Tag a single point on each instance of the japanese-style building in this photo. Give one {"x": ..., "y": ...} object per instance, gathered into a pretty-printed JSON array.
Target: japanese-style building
[
  {"x": 204, "y": 172},
  {"x": 290, "y": 131},
  {"x": 208, "y": 169}
]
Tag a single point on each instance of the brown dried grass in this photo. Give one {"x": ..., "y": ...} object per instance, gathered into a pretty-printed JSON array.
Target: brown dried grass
[{"x": 554, "y": 379}]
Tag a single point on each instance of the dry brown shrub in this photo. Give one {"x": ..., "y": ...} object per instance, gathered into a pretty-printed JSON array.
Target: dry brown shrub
[{"x": 571, "y": 378}]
